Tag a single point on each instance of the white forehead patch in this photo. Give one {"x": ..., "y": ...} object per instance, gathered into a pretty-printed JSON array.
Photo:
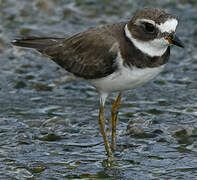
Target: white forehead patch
[{"x": 168, "y": 26}]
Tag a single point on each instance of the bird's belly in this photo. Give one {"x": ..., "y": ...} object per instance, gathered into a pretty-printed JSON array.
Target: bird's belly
[{"x": 126, "y": 78}]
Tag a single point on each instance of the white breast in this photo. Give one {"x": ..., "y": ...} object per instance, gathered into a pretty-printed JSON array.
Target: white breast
[{"x": 125, "y": 78}]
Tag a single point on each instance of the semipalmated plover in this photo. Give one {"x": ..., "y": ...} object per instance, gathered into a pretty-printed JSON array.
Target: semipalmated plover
[{"x": 115, "y": 57}]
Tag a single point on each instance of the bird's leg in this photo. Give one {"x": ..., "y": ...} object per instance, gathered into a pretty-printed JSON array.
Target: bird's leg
[
  {"x": 114, "y": 114},
  {"x": 101, "y": 121}
]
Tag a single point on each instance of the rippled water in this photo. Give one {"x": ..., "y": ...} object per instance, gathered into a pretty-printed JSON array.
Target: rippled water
[{"x": 48, "y": 123}]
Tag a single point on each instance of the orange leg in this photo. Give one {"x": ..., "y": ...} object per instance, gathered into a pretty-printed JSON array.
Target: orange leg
[
  {"x": 101, "y": 121},
  {"x": 114, "y": 115}
]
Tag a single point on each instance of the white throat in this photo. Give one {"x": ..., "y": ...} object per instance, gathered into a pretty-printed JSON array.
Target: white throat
[{"x": 156, "y": 47}]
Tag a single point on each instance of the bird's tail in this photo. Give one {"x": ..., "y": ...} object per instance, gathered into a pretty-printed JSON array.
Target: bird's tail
[{"x": 38, "y": 43}]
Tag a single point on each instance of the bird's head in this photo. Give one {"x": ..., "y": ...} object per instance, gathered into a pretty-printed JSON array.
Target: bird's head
[{"x": 152, "y": 31}]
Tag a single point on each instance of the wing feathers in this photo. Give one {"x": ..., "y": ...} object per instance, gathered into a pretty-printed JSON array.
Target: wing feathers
[
  {"x": 36, "y": 42},
  {"x": 87, "y": 55}
]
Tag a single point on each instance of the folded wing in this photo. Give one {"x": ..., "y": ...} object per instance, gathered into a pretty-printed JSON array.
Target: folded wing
[{"x": 89, "y": 55}]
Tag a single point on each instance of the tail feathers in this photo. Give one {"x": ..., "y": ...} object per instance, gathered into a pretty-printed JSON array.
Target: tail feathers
[{"x": 36, "y": 42}]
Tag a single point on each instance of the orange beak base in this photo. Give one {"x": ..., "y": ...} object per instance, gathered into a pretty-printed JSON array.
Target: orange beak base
[{"x": 173, "y": 39}]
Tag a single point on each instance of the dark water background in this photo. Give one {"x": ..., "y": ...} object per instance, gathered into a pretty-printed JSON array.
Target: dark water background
[{"x": 48, "y": 124}]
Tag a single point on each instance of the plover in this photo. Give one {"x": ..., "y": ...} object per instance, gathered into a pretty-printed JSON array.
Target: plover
[{"x": 115, "y": 57}]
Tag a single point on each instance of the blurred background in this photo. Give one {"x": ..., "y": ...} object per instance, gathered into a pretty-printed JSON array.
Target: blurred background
[{"x": 48, "y": 123}]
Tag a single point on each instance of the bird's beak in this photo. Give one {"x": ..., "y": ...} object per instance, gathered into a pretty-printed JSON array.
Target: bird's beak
[{"x": 173, "y": 39}]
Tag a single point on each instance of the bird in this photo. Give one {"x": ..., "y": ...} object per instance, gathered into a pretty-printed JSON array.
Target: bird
[{"x": 114, "y": 57}]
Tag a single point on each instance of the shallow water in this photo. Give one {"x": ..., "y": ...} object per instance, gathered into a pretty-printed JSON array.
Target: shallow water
[{"x": 48, "y": 123}]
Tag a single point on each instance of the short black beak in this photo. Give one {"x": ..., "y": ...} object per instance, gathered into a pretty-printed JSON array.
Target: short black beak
[{"x": 173, "y": 39}]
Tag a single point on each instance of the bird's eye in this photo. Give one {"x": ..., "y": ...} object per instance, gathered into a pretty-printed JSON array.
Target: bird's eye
[{"x": 149, "y": 27}]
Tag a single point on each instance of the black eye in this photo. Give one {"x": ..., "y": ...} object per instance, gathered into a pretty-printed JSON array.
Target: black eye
[{"x": 149, "y": 27}]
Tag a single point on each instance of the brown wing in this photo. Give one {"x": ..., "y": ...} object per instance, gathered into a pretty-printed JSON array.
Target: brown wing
[{"x": 88, "y": 54}]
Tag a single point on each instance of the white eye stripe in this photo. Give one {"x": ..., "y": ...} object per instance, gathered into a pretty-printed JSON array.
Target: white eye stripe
[
  {"x": 167, "y": 26},
  {"x": 139, "y": 21}
]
